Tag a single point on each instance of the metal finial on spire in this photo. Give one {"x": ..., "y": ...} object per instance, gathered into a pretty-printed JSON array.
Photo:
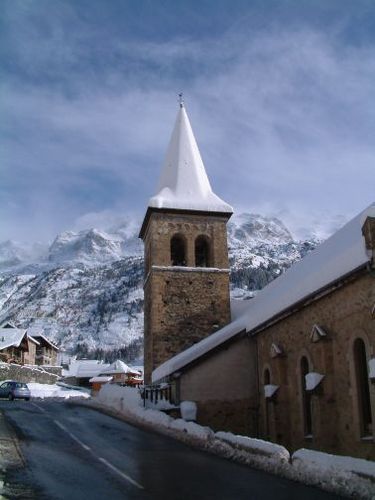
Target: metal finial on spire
[{"x": 181, "y": 99}]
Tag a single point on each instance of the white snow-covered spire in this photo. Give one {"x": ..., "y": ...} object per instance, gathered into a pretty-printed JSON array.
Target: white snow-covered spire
[{"x": 183, "y": 182}]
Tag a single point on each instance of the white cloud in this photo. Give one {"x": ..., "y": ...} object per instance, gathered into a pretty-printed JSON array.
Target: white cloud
[{"x": 283, "y": 120}]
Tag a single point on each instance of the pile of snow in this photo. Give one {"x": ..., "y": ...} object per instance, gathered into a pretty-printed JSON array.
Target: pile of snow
[
  {"x": 332, "y": 463},
  {"x": 354, "y": 476},
  {"x": 42, "y": 391},
  {"x": 188, "y": 410},
  {"x": 120, "y": 397},
  {"x": 256, "y": 446},
  {"x": 192, "y": 429},
  {"x": 128, "y": 400}
]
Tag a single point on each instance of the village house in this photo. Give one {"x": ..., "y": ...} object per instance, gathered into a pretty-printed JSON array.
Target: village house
[
  {"x": 295, "y": 364},
  {"x": 29, "y": 346},
  {"x": 121, "y": 373},
  {"x": 14, "y": 345},
  {"x": 30, "y": 355},
  {"x": 80, "y": 371},
  {"x": 46, "y": 351}
]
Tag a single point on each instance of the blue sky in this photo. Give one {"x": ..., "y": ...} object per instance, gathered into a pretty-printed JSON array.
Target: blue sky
[{"x": 280, "y": 95}]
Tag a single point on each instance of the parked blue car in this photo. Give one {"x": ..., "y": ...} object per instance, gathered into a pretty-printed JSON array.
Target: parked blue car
[{"x": 12, "y": 389}]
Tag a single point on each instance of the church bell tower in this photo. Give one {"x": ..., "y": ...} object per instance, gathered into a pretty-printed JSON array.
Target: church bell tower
[{"x": 186, "y": 285}]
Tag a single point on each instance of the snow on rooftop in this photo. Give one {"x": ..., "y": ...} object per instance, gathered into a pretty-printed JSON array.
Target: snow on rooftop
[
  {"x": 117, "y": 367},
  {"x": 341, "y": 254},
  {"x": 183, "y": 182},
  {"x": 100, "y": 379},
  {"x": 85, "y": 368},
  {"x": 11, "y": 337},
  {"x": 39, "y": 335},
  {"x": 237, "y": 307},
  {"x": 32, "y": 339}
]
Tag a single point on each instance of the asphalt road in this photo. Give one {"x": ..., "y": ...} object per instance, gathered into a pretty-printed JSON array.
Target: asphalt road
[{"x": 73, "y": 452}]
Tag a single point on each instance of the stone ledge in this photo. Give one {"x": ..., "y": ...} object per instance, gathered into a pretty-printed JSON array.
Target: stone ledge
[{"x": 186, "y": 269}]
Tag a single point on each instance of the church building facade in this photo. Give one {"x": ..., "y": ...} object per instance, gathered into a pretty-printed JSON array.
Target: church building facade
[{"x": 294, "y": 365}]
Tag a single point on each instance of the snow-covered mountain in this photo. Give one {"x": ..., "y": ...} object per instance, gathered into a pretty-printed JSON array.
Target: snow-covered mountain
[
  {"x": 261, "y": 248},
  {"x": 90, "y": 247},
  {"x": 13, "y": 253},
  {"x": 85, "y": 290}
]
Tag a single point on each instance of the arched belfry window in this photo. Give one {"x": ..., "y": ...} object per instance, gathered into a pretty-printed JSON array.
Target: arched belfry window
[
  {"x": 202, "y": 252},
  {"x": 178, "y": 251},
  {"x": 306, "y": 399},
  {"x": 363, "y": 389}
]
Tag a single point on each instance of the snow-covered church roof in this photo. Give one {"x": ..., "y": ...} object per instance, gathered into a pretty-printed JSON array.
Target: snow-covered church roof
[
  {"x": 116, "y": 367},
  {"x": 340, "y": 255},
  {"x": 183, "y": 183}
]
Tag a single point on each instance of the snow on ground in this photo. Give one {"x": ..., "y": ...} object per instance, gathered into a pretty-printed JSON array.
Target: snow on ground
[
  {"x": 256, "y": 445},
  {"x": 343, "y": 475},
  {"x": 331, "y": 464},
  {"x": 43, "y": 391}
]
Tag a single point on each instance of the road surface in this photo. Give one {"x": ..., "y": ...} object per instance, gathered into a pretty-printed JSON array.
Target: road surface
[{"x": 73, "y": 452}]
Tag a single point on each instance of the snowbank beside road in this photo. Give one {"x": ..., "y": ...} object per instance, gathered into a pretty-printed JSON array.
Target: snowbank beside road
[
  {"x": 349, "y": 472},
  {"x": 256, "y": 446},
  {"x": 42, "y": 391},
  {"x": 343, "y": 475}
]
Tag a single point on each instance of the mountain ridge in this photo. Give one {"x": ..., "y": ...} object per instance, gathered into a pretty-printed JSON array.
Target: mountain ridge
[{"x": 86, "y": 292}]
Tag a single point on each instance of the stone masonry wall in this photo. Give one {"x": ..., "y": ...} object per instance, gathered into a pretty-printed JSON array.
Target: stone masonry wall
[
  {"x": 27, "y": 374},
  {"x": 183, "y": 304},
  {"x": 186, "y": 307},
  {"x": 344, "y": 314}
]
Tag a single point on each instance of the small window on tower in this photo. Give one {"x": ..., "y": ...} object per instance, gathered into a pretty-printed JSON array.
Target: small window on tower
[
  {"x": 178, "y": 251},
  {"x": 202, "y": 252}
]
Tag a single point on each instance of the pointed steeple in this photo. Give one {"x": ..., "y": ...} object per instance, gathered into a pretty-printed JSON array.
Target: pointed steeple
[{"x": 183, "y": 182}]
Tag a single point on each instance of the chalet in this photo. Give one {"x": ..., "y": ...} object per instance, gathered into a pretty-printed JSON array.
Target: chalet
[
  {"x": 295, "y": 364},
  {"x": 14, "y": 345},
  {"x": 46, "y": 351},
  {"x": 30, "y": 355},
  {"x": 80, "y": 371},
  {"x": 122, "y": 373}
]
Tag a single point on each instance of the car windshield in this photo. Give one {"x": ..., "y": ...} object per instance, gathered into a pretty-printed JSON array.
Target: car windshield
[{"x": 21, "y": 386}]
